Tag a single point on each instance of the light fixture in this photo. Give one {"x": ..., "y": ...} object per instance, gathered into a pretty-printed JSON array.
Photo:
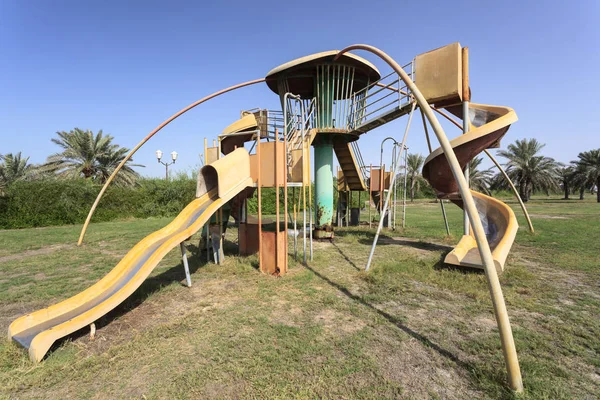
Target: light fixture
[
  {"x": 174, "y": 155},
  {"x": 159, "y": 155}
]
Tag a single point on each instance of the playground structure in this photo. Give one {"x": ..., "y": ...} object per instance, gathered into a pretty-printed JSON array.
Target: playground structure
[{"x": 328, "y": 100}]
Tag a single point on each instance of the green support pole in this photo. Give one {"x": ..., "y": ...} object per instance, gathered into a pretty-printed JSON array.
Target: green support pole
[
  {"x": 324, "y": 87},
  {"x": 323, "y": 189}
]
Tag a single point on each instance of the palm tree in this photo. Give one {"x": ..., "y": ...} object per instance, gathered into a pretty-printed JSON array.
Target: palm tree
[
  {"x": 567, "y": 178},
  {"x": 588, "y": 169},
  {"x": 530, "y": 171},
  {"x": 414, "y": 164},
  {"x": 479, "y": 180},
  {"x": 90, "y": 156},
  {"x": 14, "y": 167}
]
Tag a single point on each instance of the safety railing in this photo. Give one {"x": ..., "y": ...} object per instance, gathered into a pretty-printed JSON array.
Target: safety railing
[
  {"x": 359, "y": 161},
  {"x": 387, "y": 95}
]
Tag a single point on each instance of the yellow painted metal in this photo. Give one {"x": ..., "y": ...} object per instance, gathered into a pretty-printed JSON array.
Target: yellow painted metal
[
  {"x": 225, "y": 174},
  {"x": 506, "y": 117},
  {"x": 438, "y": 74},
  {"x": 245, "y": 123},
  {"x": 233, "y": 176},
  {"x": 496, "y": 163},
  {"x": 466, "y": 253}
]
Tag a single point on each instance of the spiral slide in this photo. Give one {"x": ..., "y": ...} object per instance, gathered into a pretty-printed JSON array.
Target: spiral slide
[
  {"x": 218, "y": 183},
  {"x": 488, "y": 125}
]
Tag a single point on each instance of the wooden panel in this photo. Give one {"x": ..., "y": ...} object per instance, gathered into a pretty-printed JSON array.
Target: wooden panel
[{"x": 439, "y": 74}]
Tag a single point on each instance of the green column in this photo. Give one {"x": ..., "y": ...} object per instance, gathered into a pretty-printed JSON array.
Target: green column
[{"x": 323, "y": 185}]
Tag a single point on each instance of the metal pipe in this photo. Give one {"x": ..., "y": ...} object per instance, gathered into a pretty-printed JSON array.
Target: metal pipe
[
  {"x": 186, "y": 267},
  {"x": 155, "y": 131},
  {"x": 387, "y": 200},
  {"x": 506, "y": 337},
  {"x": 404, "y": 192},
  {"x": 466, "y": 94},
  {"x": 514, "y": 189},
  {"x": 430, "y": 151}
]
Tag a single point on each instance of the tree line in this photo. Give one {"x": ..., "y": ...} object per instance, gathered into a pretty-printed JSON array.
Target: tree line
[{"x": 530, "y": 171}]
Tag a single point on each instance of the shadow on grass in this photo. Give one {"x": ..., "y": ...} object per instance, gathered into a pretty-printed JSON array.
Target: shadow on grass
[
  {"x": 348, "y": 260},
  {"x": 472, "y": 369},
  {"x": 394, "y": 320},
  {"x": 151, "y": 285},
  {"x": 386, "y": 241}
]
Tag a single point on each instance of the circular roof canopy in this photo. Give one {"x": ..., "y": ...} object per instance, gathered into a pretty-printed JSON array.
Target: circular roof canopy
[{"x": 301, "y": 72}]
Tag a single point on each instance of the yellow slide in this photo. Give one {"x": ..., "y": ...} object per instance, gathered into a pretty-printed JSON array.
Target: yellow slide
[
  {"x": 218, "y": 183},
  {"x": 488, "y": 125}
]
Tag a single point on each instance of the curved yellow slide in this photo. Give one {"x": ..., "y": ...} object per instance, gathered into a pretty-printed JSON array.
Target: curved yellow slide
[
  {"x": 489, "y": 124},
  {"x": 39, "y": 330}
]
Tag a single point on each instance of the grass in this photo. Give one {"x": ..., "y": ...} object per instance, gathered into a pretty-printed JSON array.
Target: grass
[{"x": 410, "y": 328}]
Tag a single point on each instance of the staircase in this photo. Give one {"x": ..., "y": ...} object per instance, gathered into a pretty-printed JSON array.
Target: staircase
[{"x": 350, "y": 164}]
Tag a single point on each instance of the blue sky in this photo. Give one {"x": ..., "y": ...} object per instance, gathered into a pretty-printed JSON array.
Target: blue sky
[{"x": 125, "y": 66}]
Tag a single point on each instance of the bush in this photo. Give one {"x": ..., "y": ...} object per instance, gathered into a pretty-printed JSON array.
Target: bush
[{"x": 58, "y": 202}]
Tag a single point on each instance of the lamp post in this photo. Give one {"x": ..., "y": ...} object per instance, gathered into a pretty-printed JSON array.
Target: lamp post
[{"x": 159, "y": 155}]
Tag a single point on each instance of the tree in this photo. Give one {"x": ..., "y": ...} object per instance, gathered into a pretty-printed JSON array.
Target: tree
[
  {"x": 567, "y": 175},
  {"x": 588, "y": 170},
  {"x": 479, "y": 180},
  {"x": 414, "y": 164},
  {"x": 14, "y": 167},
  {"x": 90, "y": 156},
  {"x": 530, "y": 171}
]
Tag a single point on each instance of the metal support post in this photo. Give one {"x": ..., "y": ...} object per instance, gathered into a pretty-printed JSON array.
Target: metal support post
[{"x": 186, "y": 267}]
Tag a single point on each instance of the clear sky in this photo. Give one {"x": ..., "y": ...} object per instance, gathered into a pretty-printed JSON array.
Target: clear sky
[{"x": 125, "y": 66}]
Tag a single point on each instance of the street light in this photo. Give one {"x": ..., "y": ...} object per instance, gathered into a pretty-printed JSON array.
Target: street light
[{"x": 159, "y": 155}]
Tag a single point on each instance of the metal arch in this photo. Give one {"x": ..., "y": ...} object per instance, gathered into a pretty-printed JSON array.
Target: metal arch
[
  {"x": 155, "y": 131},
  {"x": 506, "y": 337}
]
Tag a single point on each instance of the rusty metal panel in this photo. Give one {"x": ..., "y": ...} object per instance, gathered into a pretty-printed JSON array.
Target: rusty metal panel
[
  {"x": 296, "y": 169},
  {"x": 439, "y": 74},
  {"x": 376, "y": 180},
  {"x": 268, "y": 166},
  {"x": 272, "y": 262},
  {"x": 248, "y": 237}
]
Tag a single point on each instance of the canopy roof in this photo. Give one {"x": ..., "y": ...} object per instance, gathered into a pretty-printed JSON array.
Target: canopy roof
[{"x": 300, "y": 73}]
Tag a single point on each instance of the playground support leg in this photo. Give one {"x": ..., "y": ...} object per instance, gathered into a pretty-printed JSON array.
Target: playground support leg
[
  {"x": 506, "y": 338},
  {"x": 186, "y": 267},
  {"x": 323, "y": 190},
  {"x": 393, "y": 181}
]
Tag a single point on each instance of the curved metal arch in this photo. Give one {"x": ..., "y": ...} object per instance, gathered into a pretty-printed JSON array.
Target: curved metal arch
[
  {"x": 506, "y": 336},
  {"x": 154, "y": 132}
]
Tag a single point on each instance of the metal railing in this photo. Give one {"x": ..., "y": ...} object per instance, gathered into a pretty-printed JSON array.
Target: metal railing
[
  {"x": 386, "y": 95},
  {"x": 359, "y": 161}
]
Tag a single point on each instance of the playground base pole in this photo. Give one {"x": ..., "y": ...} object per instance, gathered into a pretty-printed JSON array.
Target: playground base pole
[{"x": 323, "y": 190}]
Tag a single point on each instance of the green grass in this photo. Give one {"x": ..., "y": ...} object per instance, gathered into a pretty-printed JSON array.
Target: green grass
[{"x": 410, "y": 328}]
